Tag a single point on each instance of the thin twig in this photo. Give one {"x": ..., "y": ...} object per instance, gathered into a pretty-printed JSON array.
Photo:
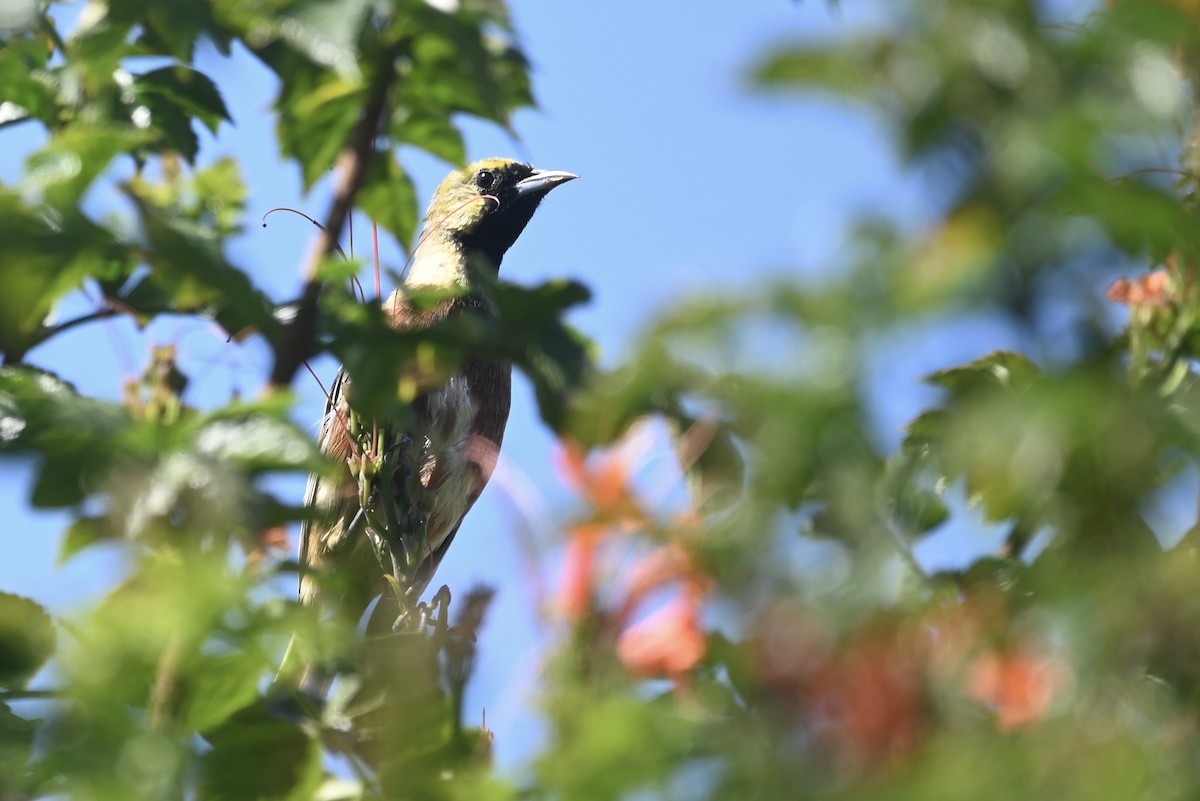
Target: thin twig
[
  {"x": 100, "y": 314},
  {"x": 299, "y": 336},
  {"x": 163, "y": 690}
]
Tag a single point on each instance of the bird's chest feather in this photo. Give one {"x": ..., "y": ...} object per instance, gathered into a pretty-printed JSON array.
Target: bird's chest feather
[{"x": 446, "y": 467}]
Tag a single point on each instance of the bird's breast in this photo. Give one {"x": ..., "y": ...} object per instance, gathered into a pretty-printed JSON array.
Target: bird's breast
[{"x": 449, "y": 466}]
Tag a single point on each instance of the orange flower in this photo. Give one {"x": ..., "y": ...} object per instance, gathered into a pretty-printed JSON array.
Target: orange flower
[
  {"x": 1019, "y": 684},
  {"x": 1150, "y": 290},
  {"x": 665, "y": 565},
  {"x": 670, "y": 641},
  {"x": 275, "y": 538},
  {"x": 576, "y": 594},
  {"x": 864, "y": 698},
  {"x": 606, "y": 484},
  {"x": 878, "y": 691},
  {"x": 667, "y": 643}
]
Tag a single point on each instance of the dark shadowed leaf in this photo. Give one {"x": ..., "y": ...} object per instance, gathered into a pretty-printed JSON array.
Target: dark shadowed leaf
[
  {"x": 529, "y": 333},
  {"x": 255, "y": 755},
  {"x": 390, "y": 199},
  {"x": 26, "y": 89},
  {"x": 27, "y": 639},
  {"x": 16, "y": 753},
  {"x": 175, "y": 97},
  {"x": 430, "y": 129},
  {"x": 555, "y": 357},
  {"x": 189, "y": 91},
  {"x": 47, "y": 253}
]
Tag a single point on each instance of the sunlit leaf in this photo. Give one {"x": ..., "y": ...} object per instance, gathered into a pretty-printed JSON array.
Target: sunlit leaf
[
  {"x": 222, "y": 686},
  {"x": 191, "y": 267},
  {"x": 48, "y": 254},
  {"x": 1002, "y": 369},
  {"x": 67, "y": 166}
]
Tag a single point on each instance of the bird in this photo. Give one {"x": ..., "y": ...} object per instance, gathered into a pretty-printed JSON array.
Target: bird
[{"x": 456, "y": 428}]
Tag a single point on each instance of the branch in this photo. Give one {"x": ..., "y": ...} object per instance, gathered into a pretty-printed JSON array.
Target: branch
[
  {"x": 299, "y": 336},
  {"x": 100, "y": 314},
  {"x": 29, "y": 695},
  {"x": 46, "y": 332}
]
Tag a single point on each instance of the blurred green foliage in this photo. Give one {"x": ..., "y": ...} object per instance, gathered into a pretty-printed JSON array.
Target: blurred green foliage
[{"x": 1066, "y": 665}]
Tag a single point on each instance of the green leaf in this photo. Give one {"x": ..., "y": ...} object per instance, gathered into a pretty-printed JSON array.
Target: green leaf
[
  {"x": 915, "y": 507},
  {"x": 327, "y": 32},
  {"x": 169, "y": 29},
  {"x": 219, "y": 687},
  {"x": 847, "y": 69},
  {"x": 390, "y": 199},
  {"x": 924, "y": 430},
  {"x": 27, "y": 640},
  {"x": 317, "y": 113},
  {"x": 528, "y": 332},
  {"x": 27, "y": 88},
  {"x": 83, "y": 533},
  {"x": 612, "y": 400},
  {"x": 1169, "y": 24},
  {"x": 432, "y": 130},
  {"x": 257, "y": 756},
  {"x": 717, "y": 472},
  {"x": 221, "y": 195},
  {"x": 175, "y": 96},
  {"x": 75, "y": 157},
  {"x": 258, "y": 443},
  {"x": 188, "y": 90},
  {"x": 457, "y": 67},
  {"x": 1002, "y": 369},
  {"x": 16, "y": 754},
  {"x": 534, "y": 337},
  {"x": 919, "y": 510},
  {"x": 1140, "y": 219},
  {"x": 47, "y": 254},
  {"x": 188, "y": 263},
  {"x": 143, "y": 296},
  {"x": 77, "y": 438}
]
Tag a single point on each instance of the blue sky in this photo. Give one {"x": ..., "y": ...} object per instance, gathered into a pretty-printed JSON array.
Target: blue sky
[{"x": 690, "y": 181}]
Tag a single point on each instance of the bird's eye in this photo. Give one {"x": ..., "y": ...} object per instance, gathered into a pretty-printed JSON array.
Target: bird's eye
[{"x": 485, "y": 179}]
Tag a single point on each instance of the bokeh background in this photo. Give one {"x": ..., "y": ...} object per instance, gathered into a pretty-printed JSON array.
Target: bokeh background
[{"x": 690, "y": 180}]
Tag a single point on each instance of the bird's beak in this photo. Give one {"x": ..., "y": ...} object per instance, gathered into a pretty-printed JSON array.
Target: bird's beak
[{"x": 542, "y": 181}]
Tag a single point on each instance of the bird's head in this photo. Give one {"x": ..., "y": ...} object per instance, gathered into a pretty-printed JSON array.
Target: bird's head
[{"x": 484, "y": 206}]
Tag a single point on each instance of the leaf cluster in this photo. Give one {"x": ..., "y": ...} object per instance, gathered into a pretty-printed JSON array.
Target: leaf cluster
[{"x": 783, "y": 628}]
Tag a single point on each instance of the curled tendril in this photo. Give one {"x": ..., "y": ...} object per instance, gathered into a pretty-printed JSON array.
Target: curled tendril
[{"x": 305, "y": 216}]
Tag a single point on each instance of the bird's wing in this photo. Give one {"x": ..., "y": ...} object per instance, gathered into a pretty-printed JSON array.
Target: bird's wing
[
  {"x": 332, "y": 441},
  {"x": 490, "y": 385}
]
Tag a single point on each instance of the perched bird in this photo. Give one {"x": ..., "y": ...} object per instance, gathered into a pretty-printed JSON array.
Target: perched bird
[{"x": 455, "y": 429}]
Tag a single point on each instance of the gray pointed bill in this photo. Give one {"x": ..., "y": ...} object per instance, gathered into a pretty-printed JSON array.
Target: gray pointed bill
[{"x": 542, "y": 181}]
